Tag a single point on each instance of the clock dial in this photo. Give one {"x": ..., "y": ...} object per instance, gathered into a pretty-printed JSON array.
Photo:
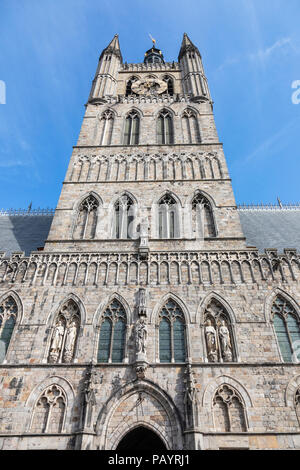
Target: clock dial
[{"x": 149, "y": 86}]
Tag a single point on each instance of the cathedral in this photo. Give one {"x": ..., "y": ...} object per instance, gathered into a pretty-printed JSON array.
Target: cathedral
[{"x": 149, "y": 311}]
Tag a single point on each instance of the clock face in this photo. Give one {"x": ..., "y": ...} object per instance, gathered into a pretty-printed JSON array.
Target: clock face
[{"x": 149, "y": 86}]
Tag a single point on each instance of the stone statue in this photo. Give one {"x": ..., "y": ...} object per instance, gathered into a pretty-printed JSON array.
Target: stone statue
[
  {"x": 225, "y": 343},
  {"x": 211, "y": 341},
  {"x": 70, "y": 342},
  {"x": 57, "y": 339},
  {"x": 141, "y": 334}
]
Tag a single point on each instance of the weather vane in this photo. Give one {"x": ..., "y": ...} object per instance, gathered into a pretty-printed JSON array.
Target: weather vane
[{"x": 153, "y": 40}]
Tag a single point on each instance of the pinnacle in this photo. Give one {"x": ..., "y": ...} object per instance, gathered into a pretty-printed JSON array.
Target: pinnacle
[
  {"x": 114, "y": 43},
  {"x": 187, "y": 45},
  {"x": 113, "y": 47}
]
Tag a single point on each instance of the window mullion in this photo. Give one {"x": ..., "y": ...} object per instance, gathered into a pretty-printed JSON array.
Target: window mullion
[
  {"x": 172, "y": 340},
  {"x": 288, "y": 335},
  {"x": 111, "y": 341}
]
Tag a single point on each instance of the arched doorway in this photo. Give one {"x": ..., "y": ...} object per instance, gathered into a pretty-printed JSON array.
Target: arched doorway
[{"x": 142, "y": 439}]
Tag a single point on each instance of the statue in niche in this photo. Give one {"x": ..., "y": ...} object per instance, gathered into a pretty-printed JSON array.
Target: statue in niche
[
  {"x": 211, "y": 341},
  {"x": 70, "y": 341},
  {"x": 225, "y": 343},
  {"x": 141, "y": 335},
  {"x": 57, "y": 339}
]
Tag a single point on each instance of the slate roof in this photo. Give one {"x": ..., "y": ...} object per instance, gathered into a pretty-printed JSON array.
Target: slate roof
[
  {"x": 267, "y": 228},
  {"x": 263, "y": 228},
  {"x": 23, "y": 232}
]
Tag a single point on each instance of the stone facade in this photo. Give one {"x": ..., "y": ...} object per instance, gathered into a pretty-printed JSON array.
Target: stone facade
[{"x": 228, "y": 382}]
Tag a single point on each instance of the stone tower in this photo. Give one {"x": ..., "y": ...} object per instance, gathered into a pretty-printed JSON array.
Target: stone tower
[{"x": 146, "y": 319}]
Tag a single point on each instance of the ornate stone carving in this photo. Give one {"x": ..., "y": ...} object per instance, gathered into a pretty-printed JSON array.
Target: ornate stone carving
[
  {"x": 89, "y": 397},
  {"x": 141, "y": 336},
  {"x": 190, "y": 399},
  {"x": 144, "y": 237},
  {"x": 218, "y": 333},
  {"x": 63, "y": 342},
  {"x": 211, "y": 341},
  {"x": 225, "y": 343},
  {"x": 140, "y": 370}
]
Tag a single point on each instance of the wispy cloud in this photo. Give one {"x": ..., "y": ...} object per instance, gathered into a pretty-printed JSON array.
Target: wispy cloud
[
  {"x": 271, "y": 144},
  {"x": 281, "y": 46}
]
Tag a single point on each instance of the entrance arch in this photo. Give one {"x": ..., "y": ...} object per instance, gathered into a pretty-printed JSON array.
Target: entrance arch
[
  {"x": 137, "y": 404},
  {"x": 141, "y": 438}
]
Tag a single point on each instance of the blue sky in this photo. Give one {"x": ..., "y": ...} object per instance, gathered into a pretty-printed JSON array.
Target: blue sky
[{"x": 49, "y": 54}]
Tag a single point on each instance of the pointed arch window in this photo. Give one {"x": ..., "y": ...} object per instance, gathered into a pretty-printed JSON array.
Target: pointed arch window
[
  {"x": 168, "y": 217},
  {"x": 107, "y": 124},
  {"x": 132, "y": 128},
  {"x": 218, "y": 334},
  {"x": 8, "y": 318},
  {"x": 49, "y": 411},
  {"x": 228, "y": 409},
  {"x": 124, "y": 217},
  {"x": 85, "y": 227},
  {"x": 172, "y": 337},
  {"x": 65, "y": 334},
  {"x": 190, "y": 126},
  {"x": 111, "y": 346},
  {"x": 202, "y": 217},
  {"x": 165, "y": 133},
  {"x": 287, "y": 328},
  {"x": 170, "y": 84},
  {"x": 129, "y": 85}
]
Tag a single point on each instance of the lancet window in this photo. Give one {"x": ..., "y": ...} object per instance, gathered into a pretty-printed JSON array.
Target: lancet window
[
  {"x": 112, "y": 333},
  {"x": 190, "y": 127},
  {"x": 165, "y": 133},
  {"x": 287, "y": 329},
  {"x": 228, "y": 409},
  {"x": 106, "y": 127},
  {"x": 202, "y": 217},
  {"x": 167, "y": 217},
  {"x": 49, "y": 412},
  {"x": 124, "y": 217},
  {"x": 85, "y": 227},
  {"x": 132, "y": 128},
  {"x": 169, "y": 81},
  {"x": 172, "y": 338},
  {"x": 8, "y": 318}
]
